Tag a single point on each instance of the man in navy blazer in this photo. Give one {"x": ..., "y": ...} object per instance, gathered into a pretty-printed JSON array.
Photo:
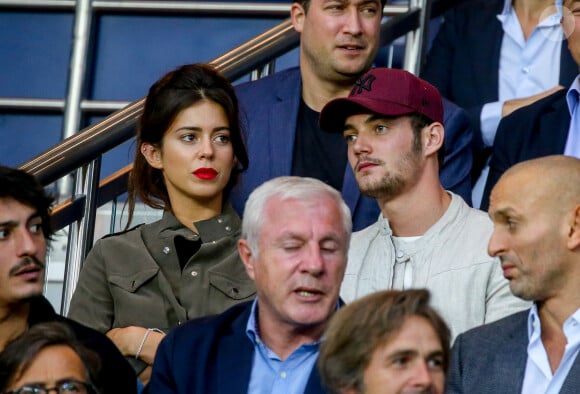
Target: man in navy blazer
[
  {"x": 464, "y": 63},
  {"x": 543, "y": 128},
  {"x": 294, "y": 243},
  {"x": 271, "y": 107},
  {"x": 535, "y": 208}
]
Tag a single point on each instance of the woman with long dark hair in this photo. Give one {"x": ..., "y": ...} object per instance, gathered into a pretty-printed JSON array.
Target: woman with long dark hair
[{"x": 137, "y": 284}]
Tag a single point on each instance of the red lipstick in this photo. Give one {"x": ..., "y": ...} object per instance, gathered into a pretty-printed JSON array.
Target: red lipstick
[{"x": 205, "y": 173}]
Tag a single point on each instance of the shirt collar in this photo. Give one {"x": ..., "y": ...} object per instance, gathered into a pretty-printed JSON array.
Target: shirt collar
[
  {"x": 212, "y": 229},
  {"x": 253, "y": 331},
  {"x": 570, "y": 328},
  {"x": 572, "y": 95},
  {"x": 533, "y": 321},
  {"x": 251, "y": 326},
  {"x": 507, "y": 7}
]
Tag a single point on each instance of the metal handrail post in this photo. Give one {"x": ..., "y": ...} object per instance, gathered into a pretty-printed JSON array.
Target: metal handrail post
[
  {"x": 80, "y": 239},
  {"x": 76, "y": 79},
  {"x": 264, "y": 71},
  {"x": 82, "y": 232},
  {"x": 414, "y": 45}
]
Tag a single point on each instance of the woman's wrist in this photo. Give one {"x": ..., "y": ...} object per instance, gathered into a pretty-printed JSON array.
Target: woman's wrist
[{"x": 148, "y": 331}]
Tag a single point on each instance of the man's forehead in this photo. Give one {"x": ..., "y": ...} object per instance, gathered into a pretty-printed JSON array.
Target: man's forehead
[
  {"x": 309, "y": 213},
  {"x": 13, "y": 210},
  {"x": 512, "y": 195},
  {"x": 499, "y": 199},
  {"x": 401, "y": 342}
]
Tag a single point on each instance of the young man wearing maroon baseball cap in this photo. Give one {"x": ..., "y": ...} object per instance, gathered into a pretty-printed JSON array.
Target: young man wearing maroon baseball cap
[{"x": 425, "y": 236}]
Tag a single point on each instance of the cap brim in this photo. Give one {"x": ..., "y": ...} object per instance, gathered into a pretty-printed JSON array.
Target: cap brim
[{"x": 333, "y": 115}]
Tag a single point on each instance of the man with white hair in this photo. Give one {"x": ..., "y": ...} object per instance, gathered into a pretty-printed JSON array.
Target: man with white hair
[{"x": 295, "y": 236}]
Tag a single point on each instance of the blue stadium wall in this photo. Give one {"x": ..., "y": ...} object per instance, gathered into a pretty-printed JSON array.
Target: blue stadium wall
[{"x": 129, "y": 53}]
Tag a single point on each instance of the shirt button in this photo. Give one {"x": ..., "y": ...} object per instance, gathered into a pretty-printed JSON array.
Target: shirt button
[
  {"x": 283, "y": 375},
  {"x": 220, "y": 220},
  {"x": 525, "y": 70},
  {"x": 166, "y": 250},
  {"x": 228, "y": 228},
  {"x": 194, "y": 273}
]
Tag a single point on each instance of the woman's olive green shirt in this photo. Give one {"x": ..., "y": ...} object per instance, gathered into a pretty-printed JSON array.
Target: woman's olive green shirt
[{"x": 134, "y": 278}]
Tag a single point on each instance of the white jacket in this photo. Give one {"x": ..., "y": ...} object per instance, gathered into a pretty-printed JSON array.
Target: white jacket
[{"x": 451, "y": 260}]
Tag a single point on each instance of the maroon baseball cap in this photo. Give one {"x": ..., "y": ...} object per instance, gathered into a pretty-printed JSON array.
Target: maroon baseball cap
[{"x": 384, "y": 91}]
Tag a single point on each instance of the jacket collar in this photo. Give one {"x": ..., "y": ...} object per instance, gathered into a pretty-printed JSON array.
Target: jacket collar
[{"x": 209, "y": 230}]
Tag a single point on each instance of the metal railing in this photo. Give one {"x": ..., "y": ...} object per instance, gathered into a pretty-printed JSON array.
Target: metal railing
[{"x": 87, "y": 146}]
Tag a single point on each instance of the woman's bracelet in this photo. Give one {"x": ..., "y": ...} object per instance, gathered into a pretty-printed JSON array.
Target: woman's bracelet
[{"x": 145, "y": 338}]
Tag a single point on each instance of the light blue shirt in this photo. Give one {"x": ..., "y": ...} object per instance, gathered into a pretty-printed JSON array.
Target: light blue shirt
[
  {"x": 538, "y": 377},
  {"x": 572, "y": 147},
  {"x": 270, "y": 374},
  {"x": 526, "y": 67}
]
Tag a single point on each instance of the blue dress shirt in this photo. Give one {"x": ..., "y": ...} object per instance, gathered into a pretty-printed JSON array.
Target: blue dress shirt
[{"x": 270, "y": 374}]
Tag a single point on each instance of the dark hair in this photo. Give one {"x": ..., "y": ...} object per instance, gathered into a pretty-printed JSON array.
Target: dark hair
[
  {"x": 25, "y": 188},
  {"x": 418, "y": 123},
  {"x": 170, "y": 95},
  {"x": 356, "y": 330},
  {"x": 20, "y": 353},
  {"x": 306, "y": 4}
]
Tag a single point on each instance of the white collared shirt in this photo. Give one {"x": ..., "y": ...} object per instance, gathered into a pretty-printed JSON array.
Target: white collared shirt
[{"x": 538, "y": 377}]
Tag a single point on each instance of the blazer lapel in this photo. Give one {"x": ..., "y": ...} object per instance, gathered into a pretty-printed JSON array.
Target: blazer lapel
[
  {"x": 516, "y": 349},
  {"x": 282, "y": 119},
  {"x": 568, "y": 67},
  {"x": 572, "y": 383},
  {"x": 510, "y": 355},
  {"x": 553, "y": 132},
  {"x": 314, "y": 385},
  {"x": 485, "y": 56},
  {"x": 235, "y": 358}
]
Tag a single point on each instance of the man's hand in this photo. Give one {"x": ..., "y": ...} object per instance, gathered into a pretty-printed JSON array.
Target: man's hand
[{"x": 514, "y": 104}]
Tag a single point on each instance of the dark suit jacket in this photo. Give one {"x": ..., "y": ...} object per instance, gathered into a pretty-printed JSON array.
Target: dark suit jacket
[
  {"x": 210, "y": 355},
  {"x": 540, "y": 129},
  {"x": 269, "y": 109},
  {"x": 492, "y": 359}
]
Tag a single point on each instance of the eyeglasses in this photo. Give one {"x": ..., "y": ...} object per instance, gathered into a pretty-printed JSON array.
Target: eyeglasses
[{"x": 64, "y": 387}]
